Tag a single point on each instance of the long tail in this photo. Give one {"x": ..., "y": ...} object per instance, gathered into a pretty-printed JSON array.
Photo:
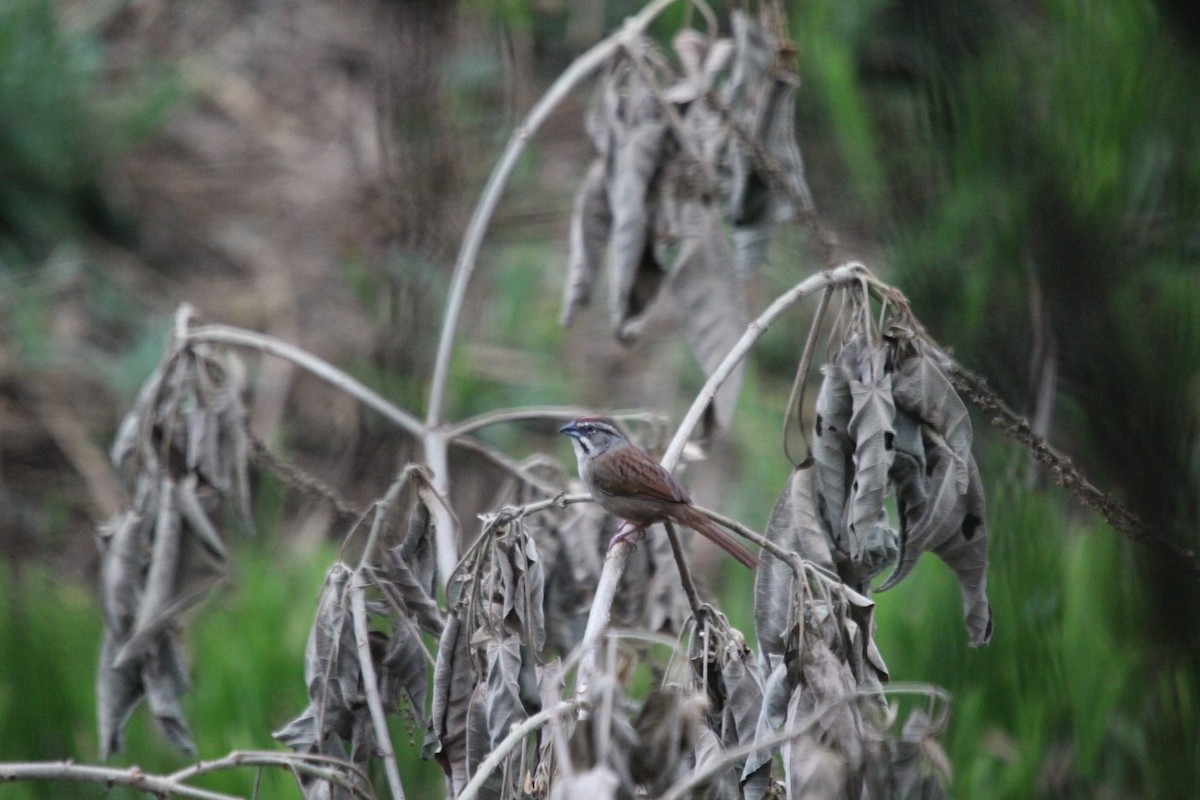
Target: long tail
[{"x": 717, "y": 535}]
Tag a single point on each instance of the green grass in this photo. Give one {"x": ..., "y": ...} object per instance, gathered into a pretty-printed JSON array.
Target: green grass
[{"x": 246, "y": 645}]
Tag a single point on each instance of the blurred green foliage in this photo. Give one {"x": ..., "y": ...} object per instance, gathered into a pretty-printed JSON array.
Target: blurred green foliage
[{"x": 246, "y": 646}]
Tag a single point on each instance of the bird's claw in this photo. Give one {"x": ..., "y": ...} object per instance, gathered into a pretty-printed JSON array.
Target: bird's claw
[{"x": 629, "y": 534}]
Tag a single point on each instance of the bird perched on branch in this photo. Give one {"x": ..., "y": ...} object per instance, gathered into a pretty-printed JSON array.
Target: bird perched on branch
[{"x": 629, "y": 484}]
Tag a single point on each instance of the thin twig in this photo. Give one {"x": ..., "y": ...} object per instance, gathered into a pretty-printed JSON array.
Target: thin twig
[
  {"x": 505, "y": 464},
  {"x": 1066, "y": 474},
  {"x": 338, "y": 772},
  {"x": 294, "y": 477},
  {"x": 133, "y": 777},
  {"x": 237, "y": 337},
  {"x": 796, "y": 397},
  {"x": 685, "y": 574},
  {"x": 754, "y": 536},
  {"x": 518, "y": 732},
  {"x": 383, "y": 739}
]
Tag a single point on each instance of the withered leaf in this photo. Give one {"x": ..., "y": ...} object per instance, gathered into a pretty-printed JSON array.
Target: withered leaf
[
  {"x": 710, "y": 298},
  {"x": 795, "y": 527},
  {"x": 591, "y": 225},
  {"x": 180, "y": 576},
  {"x": 404, "y": 669},
  {"x": 118, "y": 691},
  {"x": 789, "y": 188},
  {"x": 871, "y": 427},
  {"x": 921, "y": 388},
  {"x": 725, "y": 784},
  {"x": 634, "y": 274},
  {"x": 479, "y": 742},
  {"x": 833, "y": 451},
  {"x": 503, "y": 704},
  {"x": 812, "y": 770},
  {"x": 164, "y": 675},
  {"x": 666, "y": 728},
  {"x": 454, "y": 680},
  {"x": 952, "y": 525}
]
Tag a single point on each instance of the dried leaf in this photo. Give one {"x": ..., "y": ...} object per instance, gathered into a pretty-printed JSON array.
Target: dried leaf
[
  {"x": 871, "y": 427},
  {"x": 410, "y": 573},
  {"x": 454, "y": 680},
  {"x": 921, "y": 388},
  {"x": 503, "y": 694},
  {"x": 164, "y": 676},
  {"x": 702, "y": 59},
  {"x": 479, "y": 741},
  {"x": 795, "y": 527},
  {"x": 781, "y": 681},
  {"x": 418, "y": 550},
  {"x": 118, "y": 691},
  {"x": 197, "y": 519},
  {"x": 404, "y": 669},
  {"x": 789, "y": 187},
  {"x": 331, "y": 668},
  {"x": 725, "y": 784},
  {"x": 634, "y": 273},
  {"x": 813, "y": 771},
  {"x": 828, "y": 688},
  {"x": 966, "y": 553},
  {"x": 711, "y": 300},
  {"x": 754, "y": 51},
  {"x": 666, "y": 728},
  {"x": 591, "y": 225},
  {"x": 951, "y": 525},
  {"x": 833, "y": 450},
  {"x": 155, "y": 609}
]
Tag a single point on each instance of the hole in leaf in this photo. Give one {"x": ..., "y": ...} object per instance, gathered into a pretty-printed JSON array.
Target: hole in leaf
[
  {"x": 889, "y": 440},
  {"x": 820, "y": 424},
  {"x": 970, "y": 525}
]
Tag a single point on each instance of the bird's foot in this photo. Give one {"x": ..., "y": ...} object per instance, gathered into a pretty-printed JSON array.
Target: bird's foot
[{"x": 629, "y": 534}]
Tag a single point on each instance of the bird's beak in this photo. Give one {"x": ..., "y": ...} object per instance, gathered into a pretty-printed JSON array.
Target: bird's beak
[{"x": 570, "y": 430}]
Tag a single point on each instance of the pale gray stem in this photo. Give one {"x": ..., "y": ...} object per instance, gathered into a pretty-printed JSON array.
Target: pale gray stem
[
  {"x": 338, "y": 771},
  {"x": 383, "y": 739},
  {"x": 445, "y": 529},
  {"x": 237, "y": 337},
  {"x": 132, "y": 777},
  {"x": 518, "y": 732}
]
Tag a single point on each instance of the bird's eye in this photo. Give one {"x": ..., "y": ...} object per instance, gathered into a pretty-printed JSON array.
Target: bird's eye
[{"x": 589, "y": 428}]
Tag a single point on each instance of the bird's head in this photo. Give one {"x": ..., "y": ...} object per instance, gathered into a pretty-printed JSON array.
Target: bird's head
[{"x": 592, "y": 435}]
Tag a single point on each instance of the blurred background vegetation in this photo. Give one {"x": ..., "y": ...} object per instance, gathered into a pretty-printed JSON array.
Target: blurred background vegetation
[{"x": 1028, "y": 173}]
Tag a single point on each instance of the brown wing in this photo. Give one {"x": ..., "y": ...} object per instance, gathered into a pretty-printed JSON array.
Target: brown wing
[{"x": 652, "y": 481}]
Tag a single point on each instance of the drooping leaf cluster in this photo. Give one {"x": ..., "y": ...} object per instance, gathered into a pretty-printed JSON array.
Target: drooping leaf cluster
[
  {"x": 887, "y": 420},
  {"x": 682, "y": 152},
  {"x": 349, "y": 660},
  {"x": 815, "y": 694},
  {"x": 184, "y": 448}
]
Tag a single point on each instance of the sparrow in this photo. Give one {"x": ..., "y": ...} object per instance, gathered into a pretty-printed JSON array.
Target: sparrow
[{"x": 628, "y": 483}]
